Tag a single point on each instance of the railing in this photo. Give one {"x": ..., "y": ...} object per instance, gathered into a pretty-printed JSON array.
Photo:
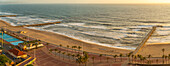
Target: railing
[
  {"x": 27, "y": 61},
  {"x": 23, "y": 61}
]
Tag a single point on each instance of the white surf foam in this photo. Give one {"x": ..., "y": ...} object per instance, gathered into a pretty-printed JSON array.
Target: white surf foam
[
  {"x": 6, "y": 13},
  {"x": 86, "y": 40},
  {"x": 23, "y": 20}
]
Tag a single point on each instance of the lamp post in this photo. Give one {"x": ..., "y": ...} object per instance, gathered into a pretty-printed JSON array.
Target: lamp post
[
  {"x": 2, "y": 31},
  {"x": 2, "y": 40}
]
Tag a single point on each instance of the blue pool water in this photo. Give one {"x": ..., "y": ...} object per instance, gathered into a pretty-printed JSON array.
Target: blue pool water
[
  {"x": 16, "y": 43},
  {"x": 10, "y": 39}
]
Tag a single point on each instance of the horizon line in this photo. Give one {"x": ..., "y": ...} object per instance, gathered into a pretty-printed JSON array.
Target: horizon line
[{"x": 87, "y": 3}]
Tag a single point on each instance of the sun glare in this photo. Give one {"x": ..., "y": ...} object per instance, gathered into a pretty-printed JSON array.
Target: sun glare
[{"x": 159, "y": 1}]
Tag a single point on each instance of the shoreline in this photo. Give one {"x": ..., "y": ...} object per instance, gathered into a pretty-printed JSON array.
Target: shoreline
[
  {"x": 95, "y": 43},
  {"x": 86, "y": 41},
  {"x": 57, "y": 39}
]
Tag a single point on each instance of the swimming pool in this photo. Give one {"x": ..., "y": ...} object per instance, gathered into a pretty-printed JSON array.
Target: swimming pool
[{"x": 10, "y": 39}]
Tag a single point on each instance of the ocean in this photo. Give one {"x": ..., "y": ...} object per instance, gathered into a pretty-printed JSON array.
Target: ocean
[{"x": 112, "y": 25}]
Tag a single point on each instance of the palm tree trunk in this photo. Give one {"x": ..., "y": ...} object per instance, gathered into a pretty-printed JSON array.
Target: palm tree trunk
[
  {"x": 75, "y": 50},
  {"x": 129, "y": 59},
  {"x": 67, "y": 50},
  {"x": 55, "y": 53},
  {"x": 100, "y": 59},
  {"x": 93, "y": 62},
  {"x": 63, "y": 56},
  {"x": 132, "y": 60},
  {"x": 59, "y": 55},
  {"x": 163, "y": 60}
]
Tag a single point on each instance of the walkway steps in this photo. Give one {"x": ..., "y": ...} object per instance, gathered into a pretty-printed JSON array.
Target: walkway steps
[{"x": 27, "y": 61}]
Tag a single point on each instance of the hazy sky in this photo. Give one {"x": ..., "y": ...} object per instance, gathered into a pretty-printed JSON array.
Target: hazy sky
[{"x": 84, "y": 1}]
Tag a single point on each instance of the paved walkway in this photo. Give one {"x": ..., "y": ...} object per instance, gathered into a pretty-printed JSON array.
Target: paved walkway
[{"x": 44, "y": 58}]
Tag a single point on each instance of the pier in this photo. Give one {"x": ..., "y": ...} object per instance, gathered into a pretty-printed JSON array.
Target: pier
[
  {"x": 142, "y": 44},
  {"x": 8, "y": 15},
  {"x": 42, "y": 24},
  {"x": 33, "y": 25}
]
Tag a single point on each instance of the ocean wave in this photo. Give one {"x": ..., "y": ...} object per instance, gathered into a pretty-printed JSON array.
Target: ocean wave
[
  {"x": 6, "y": 13},
  {"x": 120, "y": 46},
  {"x": 76, "y": 24},
  {"x": 26, "y": 20},
  {"x": 110, "y": 35},
  {"x": 143, "y": 21}
]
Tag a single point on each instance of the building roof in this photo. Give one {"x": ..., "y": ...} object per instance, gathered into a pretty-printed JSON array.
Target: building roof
[{"x": 17, "y": 52}]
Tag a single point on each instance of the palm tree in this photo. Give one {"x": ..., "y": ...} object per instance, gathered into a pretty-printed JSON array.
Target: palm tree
[
  {"x": 79, "y": 47},
  {"x": 63, "y": 55},
  {"x": 129, "y": 56},
  {"x": 73, "y": 56},
  {"x": 141, "y": 58},
  {"x": 144, "y": 58},
  {"x": 93, "y": 60},
  {"x": 59, "y": 53},
  {"x": 157, "y": 61},
  {"x": 166, "y": 59},
  {"x": 36, "y": 44},
  {"x": 78, "y": 55},
  {"x": 50, "y": 50},
  {"x": 60, "y": 45},
  {"x": 149, "y": 56},
  {"x": 85, "y": 58},
  {"x": 47, "y": 45},
  {"x": 108, "y": 59},
  {"x": 163, "y": 50},
  {"x": 100, "y": 56},
  {"x": 132, "y": 58},
  {"x": 121, "y": 56},
  {"x": 72, "y": 48},
  {"x": 69, "y": 56},
  {"x": 135, "y": 57},
  {"x": 163, "y": 56},
  {"x": 115, "y": 57},
  {"x": 75, "y": 49},
  {"x": 67, "y": 48},
  {"x": 55, "y": 51}
]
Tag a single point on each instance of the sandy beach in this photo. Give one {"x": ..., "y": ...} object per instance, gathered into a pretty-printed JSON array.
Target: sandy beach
[
  {"x": 155, "y": 50},
  {"x": 58, "y": 39}
]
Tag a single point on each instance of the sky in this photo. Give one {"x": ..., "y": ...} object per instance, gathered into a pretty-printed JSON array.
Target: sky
[{"x": 84, "y": 1}]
